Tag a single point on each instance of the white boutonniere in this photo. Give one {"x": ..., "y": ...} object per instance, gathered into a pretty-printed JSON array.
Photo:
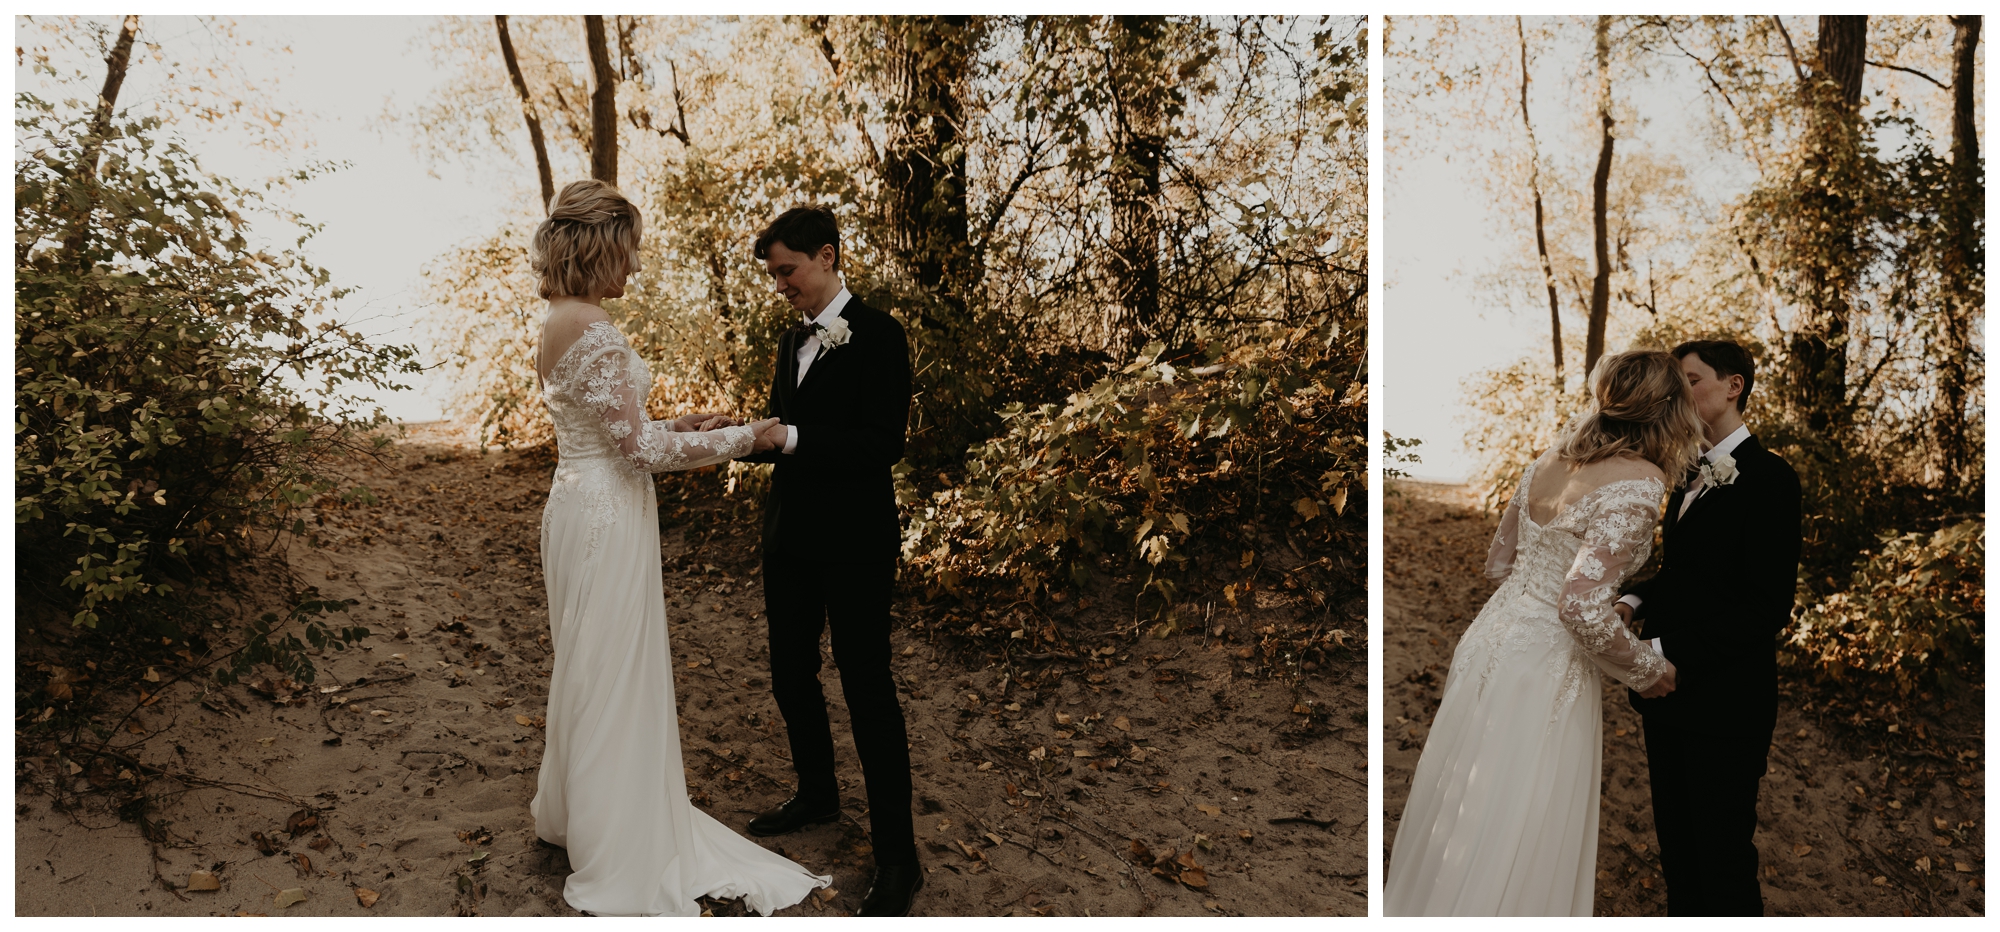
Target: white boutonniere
[
  {"x": 1718, "y": 472},
  {"x": 833, "y": 335}
]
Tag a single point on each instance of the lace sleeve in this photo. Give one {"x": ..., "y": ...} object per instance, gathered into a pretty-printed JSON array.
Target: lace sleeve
[
  {"x": 1500, "y": 554},
  {"x": 652, "y": 446},
  {"x": 1615, "y": 543}
]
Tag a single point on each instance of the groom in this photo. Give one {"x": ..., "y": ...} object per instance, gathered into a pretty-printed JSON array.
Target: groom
[
  {"x": 1723, "y": 592},
  {"x": 831, "y": 541}
]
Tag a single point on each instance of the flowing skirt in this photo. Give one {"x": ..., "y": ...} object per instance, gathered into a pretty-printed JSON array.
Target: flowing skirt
[
  {"x": 1502, "y": 814},
  {"x": 611, "y": 788}
]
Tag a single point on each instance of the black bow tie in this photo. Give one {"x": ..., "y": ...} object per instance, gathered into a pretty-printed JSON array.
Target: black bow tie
[{"x": 799, "y": 333}]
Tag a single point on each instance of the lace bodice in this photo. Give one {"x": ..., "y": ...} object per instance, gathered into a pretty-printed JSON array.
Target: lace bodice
[
  {"x": 596, "y": 396},
  {"x": 1574, "y": 566}
]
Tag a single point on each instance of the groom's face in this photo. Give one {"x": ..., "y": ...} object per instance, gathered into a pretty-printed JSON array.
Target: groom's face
[
  {"x": 1714, "y": 396},
  {"x": 807, "y": 281}
]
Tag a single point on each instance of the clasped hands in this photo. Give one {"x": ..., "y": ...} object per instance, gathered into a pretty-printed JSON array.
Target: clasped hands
[
  {"x": 1665, "y": 684},
  {"x": 770, "y": 432}
]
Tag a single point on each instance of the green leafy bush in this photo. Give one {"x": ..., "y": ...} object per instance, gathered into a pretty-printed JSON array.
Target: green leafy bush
[
  {"x": 1913, "y": 616},
  {"x": 1139, "y": 464},
  {"x": 175, "y": 388}
]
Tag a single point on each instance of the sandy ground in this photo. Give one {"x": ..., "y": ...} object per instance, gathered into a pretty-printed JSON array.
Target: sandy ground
[
  {"x": 1851, "y": 820},
  {"x": 398, "y": 783}
]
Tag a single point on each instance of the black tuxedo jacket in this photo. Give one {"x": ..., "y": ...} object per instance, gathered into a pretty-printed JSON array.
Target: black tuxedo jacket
[
  {"x": 1728, "y": 574},
  {"x": 833, "y": 493}
]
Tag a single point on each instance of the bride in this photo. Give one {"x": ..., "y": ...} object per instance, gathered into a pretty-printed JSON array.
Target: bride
[
  {"x": 1502, "y": 813},
  {"x": 611, "y": 789}
]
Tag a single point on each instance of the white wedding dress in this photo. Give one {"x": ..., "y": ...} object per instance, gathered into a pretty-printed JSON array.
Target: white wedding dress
[
  {"x": 611, "y": 789},
  {"x": 1502, "y": 813}
]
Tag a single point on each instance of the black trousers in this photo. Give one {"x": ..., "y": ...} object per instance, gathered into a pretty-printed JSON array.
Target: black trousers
[
  {"x": 1705, "y": 813},
  {"x": 804, "y": 594}
]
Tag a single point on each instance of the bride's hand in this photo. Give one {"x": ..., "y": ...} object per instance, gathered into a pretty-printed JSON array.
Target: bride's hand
[
  {"x": 701, "y": 420},
  {"x": 717, "y": 422},
  {"x": 770, "y": 433},
  {"x": 1665, "y": 684}
]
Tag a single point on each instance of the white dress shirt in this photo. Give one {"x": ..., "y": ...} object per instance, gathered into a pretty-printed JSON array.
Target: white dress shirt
[
  {"x": 1693, "y": 491},
  {"x": 809, "y": 350}
]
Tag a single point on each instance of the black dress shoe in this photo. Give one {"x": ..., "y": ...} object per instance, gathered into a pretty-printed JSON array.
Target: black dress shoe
[
  {"x": 894, "y": 890},
  {"x": 793, "y": 815}
]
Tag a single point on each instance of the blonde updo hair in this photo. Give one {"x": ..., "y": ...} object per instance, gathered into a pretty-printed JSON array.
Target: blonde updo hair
[
  {"x": 1644, "y": 408},
  {"x": 590, "y": 240}
]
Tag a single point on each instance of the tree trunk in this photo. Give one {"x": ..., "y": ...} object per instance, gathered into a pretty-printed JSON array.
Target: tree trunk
[
  {"x": 528, "y": 113},
  {"x": 1827, "y": 221},
  {"x": 1964, "y": 265},
  {"x": 115, "y": 65},
  {"x": 1600, "y": 191},
  {"x": 923, "y": 166},
  {"x": 603, "y": 104},
  {"x": 1140, "y": 86},
  {"x": 1541, "y": 237}
]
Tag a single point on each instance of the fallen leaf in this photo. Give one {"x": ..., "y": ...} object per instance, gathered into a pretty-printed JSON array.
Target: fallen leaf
[
  {"x": 1942, "y": 841},
  {"x": 1141, "y": 853},
  {"x": 1924, "y": 865},
  {"x": 263, "y": 843},
  {"x": 288, "y": 897},
  {"x": 1211, "y": 810},
  {"x": 1961, "y": 867},
  {"x": 266, "y": 741},
  {"x": 203, "y": 881},
  {"x": 1881, "y": 881},
  {"x": 1801, "y": 850},
  {"x": 1941, "y": 824},
  {"x": 1062, "y": 718},
  {"x": 985, "y": 765},
  {"x": 305, "y": 863},
  {"x": 997, "y": 841},
  {"x": 300, "y": 821},
  {"x": 522, "y": 719},
  {"x": 1195, "y": 877},
  {"x": 366, "y": 896},
  {"x": 1040, "y": 753},
  {"x": 479, "y": 858},
  {"x": 152, "y": 675},
  {"x": 1246, "y": 834},
  {"x": 320, "y": 843},
  {"x": 826, "y": 894}
]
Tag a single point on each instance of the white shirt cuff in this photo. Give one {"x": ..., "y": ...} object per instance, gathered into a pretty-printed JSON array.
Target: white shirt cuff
[
  {"x": 1631, "y": 600},
  {"x": 1657, "y": 648},
  {"x": 791, "y": 438}
]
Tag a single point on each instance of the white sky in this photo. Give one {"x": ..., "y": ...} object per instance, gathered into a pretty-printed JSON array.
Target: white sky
[{"x": 387, "y": 214}]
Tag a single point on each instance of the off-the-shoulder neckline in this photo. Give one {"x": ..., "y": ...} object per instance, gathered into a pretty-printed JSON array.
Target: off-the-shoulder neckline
[
  {"x": 593, "y": 325},
  {"x": 1528, "y": 511}
]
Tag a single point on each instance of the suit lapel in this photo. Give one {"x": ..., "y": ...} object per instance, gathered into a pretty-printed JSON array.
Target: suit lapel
[
  {"x": 1748, "y": 448},
  {"x": 788, "y": 368}
]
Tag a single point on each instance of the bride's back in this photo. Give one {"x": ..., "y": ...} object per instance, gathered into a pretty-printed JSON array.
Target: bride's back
[{"x": 1559, "y": 483}]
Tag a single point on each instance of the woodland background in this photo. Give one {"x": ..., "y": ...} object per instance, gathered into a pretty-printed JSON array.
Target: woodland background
[{"x": 1830, "y": 218}]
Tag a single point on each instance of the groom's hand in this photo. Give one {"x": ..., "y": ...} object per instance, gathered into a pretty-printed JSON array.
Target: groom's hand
[
  {"x": 770, "y": 435},
  {"x": 1624, "y": 612}
]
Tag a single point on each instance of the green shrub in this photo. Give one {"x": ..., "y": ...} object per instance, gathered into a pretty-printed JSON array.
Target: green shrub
[
  {"x": 1136, "y": 466},
  {"x": 175, "y": 388},
  {"x": 1913, "y": 616}
]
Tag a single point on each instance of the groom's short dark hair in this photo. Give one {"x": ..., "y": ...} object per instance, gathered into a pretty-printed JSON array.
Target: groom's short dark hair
[
  {"x": 801, "y": 229},
  {"x": 1727, "y": 359}
]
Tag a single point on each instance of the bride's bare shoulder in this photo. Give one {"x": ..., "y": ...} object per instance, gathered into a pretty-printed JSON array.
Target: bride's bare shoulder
[{"x": 1624, "y": 468}]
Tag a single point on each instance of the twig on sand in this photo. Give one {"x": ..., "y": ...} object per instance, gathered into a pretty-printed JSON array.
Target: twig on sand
[{"x": 1305, "y": 819}]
